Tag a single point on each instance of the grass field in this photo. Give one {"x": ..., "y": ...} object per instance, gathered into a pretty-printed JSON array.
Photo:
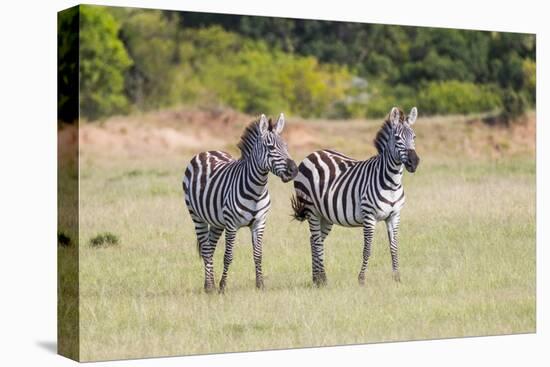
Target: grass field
[{"x": 467, "y": 244}]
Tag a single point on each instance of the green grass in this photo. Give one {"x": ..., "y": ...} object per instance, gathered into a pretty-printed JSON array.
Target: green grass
[{"x": 467, "y": 261}]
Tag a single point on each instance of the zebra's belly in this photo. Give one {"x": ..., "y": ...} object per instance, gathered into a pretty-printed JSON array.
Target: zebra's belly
[
  {"x": 350, "y": 223},
  {"x": 348, "y": 216}
]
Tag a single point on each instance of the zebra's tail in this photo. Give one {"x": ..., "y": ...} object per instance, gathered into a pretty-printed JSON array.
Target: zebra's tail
[{"x": 299, "y": 208}]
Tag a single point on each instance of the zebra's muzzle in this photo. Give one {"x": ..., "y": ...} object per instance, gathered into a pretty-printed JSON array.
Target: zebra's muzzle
[
  {"x": 412, "y": 161},
  {"x": 291, "y": 171}
]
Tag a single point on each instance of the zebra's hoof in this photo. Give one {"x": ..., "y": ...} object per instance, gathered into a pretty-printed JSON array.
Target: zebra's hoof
[
  {"x": 209, "y": 289},
  {"x": 396, "y": 277},
  {"x": 361, "y": 280},
  {"x": 221, "y": 290},
  {"x": 320, "y": 280},
  {"x": 260, "y": 286}
]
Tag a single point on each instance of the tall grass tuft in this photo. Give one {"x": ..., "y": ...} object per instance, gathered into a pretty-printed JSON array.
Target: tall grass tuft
[{"x": 104, "y": 239}]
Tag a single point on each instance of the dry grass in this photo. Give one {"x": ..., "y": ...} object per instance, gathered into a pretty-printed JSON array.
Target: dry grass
[{"x": 467, "y": 246}]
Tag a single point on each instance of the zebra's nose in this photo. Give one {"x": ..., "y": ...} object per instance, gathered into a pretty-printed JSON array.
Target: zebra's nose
[
  {"x": 413, "y": 159},
  {"x": 291, "y": 168}
]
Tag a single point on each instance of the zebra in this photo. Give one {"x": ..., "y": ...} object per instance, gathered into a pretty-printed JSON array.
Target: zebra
[
  {"x": 222, "y": 193},
  {"x": 332, "y": 188}
]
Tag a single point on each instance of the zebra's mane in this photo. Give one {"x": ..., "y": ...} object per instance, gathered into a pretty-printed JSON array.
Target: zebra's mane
[
  {"x": 251, "y": 133},
  {"x": 384, "y": 133}
]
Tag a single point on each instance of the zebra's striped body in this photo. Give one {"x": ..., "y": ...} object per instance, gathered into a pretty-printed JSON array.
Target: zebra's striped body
[
  {"x": 222, "y": 193},
  {"x": 332, "y": 188}
]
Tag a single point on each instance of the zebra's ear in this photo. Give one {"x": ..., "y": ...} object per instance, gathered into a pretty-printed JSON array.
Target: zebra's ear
[
  {"x": 412, "y": 116},
  {"x": 264, "y": 125},
  {"x": 278, "y": 128},
  {"x": 395, "y": 115}
]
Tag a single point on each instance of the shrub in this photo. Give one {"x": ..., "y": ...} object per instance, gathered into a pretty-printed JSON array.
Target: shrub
[
  {"x": 310, "y": 88},
  {"x": 103, "y": 240},
  {"x": 514, "y": 105},
  {"x": 457, "y": 97},
  {"x": 246, "y": 75},
  {"x": 530, "y": 79},
  {"x": 354, "y": 104},
  {"x": 382, "y": 98}
]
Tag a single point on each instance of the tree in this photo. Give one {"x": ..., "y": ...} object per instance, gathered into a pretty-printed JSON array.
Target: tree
[
  {"x": 151, "y": 39},
  {"x": 103, "y": 61}
]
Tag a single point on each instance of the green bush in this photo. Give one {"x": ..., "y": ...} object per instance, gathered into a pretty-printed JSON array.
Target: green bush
[
  {"x": 452, "y": 97},
  {"x": 382, "y": 98},
  {"x": 252, "y": 78},
  {"x": 457, "y": 97},
  {"x": 310, "y": 88}
]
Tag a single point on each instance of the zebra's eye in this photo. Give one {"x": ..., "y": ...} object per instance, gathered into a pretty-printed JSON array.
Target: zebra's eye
[{"x": 270, "y": 146}]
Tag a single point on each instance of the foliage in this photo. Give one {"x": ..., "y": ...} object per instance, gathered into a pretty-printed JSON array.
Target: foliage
[
  {"x": 381, "y": 96},
  {"x": 253, "y": 78},
  {"x": 457, "y": 97},
  {"x": 67, "y": 73},
  {"x": 530, "y": 79},
  {"x": 515, "y": 105},
  {"x": 136, "y": 59},
  {"x": 150, "y": 39},
  {"x": 308, "y": 87},
  {"x": 103, "y": 61}
]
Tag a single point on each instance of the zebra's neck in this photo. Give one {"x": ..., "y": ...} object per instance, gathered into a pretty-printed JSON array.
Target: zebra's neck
[
  {"x": 391, "y": 168},
  {"x": 253, "y": 177}
]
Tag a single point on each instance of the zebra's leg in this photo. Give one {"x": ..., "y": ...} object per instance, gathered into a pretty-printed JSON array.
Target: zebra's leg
[
  {"x": 206, "y": 251},
  {"x": 392, "y": 226},
  {"x": 214, "y": 235},
  {"x": 368, "y": 231},
  {"x": 228, "y": 256},
  {"x": 319, "y": 230},
  {"x": 257, "y": 235},
  {"x": 325, "y": 230}
]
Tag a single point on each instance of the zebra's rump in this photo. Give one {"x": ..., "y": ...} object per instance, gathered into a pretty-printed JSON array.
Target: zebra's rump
[
  {"x": 326, "y": 183},
  {"x": 204, "y": 185}
]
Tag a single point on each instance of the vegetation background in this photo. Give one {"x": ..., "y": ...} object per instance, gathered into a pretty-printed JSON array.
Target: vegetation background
[
  {"x": 156, "y": 87},
  {"x": 136, "y": 60}
]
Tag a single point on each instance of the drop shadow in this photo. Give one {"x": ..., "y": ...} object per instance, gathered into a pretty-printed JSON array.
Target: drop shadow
[{"x": 48, "y": 345}]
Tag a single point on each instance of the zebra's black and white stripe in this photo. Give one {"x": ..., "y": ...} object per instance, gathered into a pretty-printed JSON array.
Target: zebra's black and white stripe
[
  {"x": 222, "y": 193},
  {"x": 332, "y": 188}
]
